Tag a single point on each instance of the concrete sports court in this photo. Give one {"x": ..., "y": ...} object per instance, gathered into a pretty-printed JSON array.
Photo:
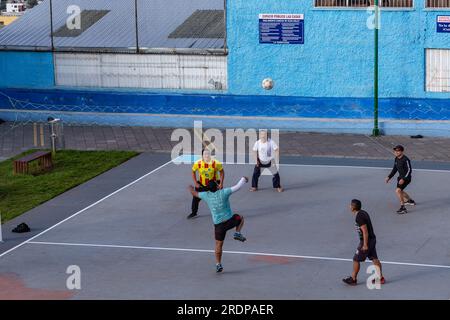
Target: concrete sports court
[{"x": 134, "y": 242}]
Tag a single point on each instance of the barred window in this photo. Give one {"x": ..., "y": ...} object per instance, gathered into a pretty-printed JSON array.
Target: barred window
[
  {"x": 368, "y": 3},
  {"x": 437, "y": 4},
  {"x": 438, "y": 70}
]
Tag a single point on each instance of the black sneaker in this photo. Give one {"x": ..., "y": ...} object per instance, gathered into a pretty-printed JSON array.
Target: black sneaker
[
  {"x": 238, "y": 236},
  {"x": 410, "y": 202},
  {"x": 192, "y": 215},
  {"x": 219, "y": 267},
  {"x": 402, "y": 210},
  {"x": 350, "y": 281}
]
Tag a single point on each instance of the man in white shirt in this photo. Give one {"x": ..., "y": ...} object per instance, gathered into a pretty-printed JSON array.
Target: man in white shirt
[{"x": 266, "y": 152}]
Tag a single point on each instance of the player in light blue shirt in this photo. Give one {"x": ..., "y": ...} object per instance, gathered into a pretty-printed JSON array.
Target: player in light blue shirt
[{"x": 219, "y": 204}]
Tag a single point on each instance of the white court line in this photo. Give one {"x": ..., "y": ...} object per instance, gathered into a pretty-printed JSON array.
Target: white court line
[
  {"x": 174, "y": 161},
  {"x": 230, "y": 252},
  {"x": 183, "y": 161},
  {"x": 87, "y": 208},
  {"x": 339, "y": 167}
]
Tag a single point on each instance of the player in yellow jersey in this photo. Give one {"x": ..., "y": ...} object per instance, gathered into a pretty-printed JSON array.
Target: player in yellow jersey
[{"x": 208, "y": 170}]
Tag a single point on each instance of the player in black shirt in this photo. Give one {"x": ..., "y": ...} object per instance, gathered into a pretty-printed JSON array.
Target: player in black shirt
[
  {"x": 402, "y": 165},
  {"x": 367, "y": 244}
]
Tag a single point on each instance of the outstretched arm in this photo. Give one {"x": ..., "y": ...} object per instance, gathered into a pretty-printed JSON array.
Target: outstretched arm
[{"x": 239, "y": 185}]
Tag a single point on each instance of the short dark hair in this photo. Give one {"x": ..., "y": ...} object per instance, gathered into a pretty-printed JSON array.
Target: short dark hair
[
  {"x": 399, "y": 148},
  {"x": 356, "y": 204},
  {"x": 212, "y": 186}
]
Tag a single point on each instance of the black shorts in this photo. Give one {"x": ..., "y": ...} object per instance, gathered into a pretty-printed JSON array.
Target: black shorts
[
  {"x": 220, "y": 230},
  {"x": 361, "y": 256},
  {"x": 404, "y": 185}
]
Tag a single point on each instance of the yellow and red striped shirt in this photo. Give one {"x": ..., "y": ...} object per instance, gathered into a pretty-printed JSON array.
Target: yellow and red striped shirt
[{"x": 207, "y": 171}]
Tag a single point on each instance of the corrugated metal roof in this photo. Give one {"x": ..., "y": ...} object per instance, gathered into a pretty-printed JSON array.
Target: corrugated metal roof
[
  {"x": 87, "y": 19},
  {"x": 208, "y": 24},
  {"x": 157, "y": 19}
]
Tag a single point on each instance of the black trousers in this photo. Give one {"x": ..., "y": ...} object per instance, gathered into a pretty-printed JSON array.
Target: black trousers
[
  {"x": 195, "y": 200},
  {"x": 257, "y": 174}
]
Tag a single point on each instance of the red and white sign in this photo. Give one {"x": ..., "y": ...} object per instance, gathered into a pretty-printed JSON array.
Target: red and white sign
[{"x": 443, "y": 19}]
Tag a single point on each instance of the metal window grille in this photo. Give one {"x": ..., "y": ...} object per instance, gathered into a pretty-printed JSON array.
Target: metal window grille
[
  {"x": 438, "y": 70},
  {"x": 365, "y": 3},
  {"x": 437, "y": 4}
]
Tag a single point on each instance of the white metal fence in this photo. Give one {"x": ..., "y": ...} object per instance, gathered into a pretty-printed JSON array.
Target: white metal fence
[
  {"x": 438, "y": 70},
  {"x": 364, "y": 3},
  {"x": 153, "y": 71}
]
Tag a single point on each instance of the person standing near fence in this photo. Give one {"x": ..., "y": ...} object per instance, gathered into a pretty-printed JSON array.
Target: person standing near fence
[
  {"x": 208, "y": 170},
  {"x": 266, "y": 152}
]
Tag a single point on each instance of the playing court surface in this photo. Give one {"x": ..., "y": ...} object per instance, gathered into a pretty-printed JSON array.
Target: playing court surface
[{"x": 136, "y": 243}]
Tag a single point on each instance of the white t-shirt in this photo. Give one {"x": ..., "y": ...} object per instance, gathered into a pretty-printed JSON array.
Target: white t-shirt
[{"x": 266, "y": 150}]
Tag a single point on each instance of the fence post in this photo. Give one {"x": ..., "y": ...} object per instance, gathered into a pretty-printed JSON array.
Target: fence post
[
  {"x": 137, "y": 24},
  {"x": 376, "y": 130}
]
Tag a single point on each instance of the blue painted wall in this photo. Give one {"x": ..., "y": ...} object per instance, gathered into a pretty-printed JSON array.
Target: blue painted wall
[
  {"x": 223, "y": 111},
  {"x": 329, "y": 77},
  {"x": 26, "y": 69},
  {"x": 337, "y": 57}
]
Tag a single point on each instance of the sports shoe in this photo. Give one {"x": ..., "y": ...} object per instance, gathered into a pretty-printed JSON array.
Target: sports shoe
[
  {"x": 219, "y": 267},
  {"x": 410, "y": 202},
  {"x": 192, "y": 215},
  {"x": 239, "y": 236},
  {"x": 382, "y": 281},
  {"x": 253, "y": 189},
  {"x": 350, "y": 281},
  {"x": 402, "y": 210}
]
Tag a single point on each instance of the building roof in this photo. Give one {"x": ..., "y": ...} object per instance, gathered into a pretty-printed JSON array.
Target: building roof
[{"x": 110, "y": 25}]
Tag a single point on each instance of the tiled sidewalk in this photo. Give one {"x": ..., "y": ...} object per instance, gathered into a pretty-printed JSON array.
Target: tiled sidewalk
[{"x": 20, "y": 137}]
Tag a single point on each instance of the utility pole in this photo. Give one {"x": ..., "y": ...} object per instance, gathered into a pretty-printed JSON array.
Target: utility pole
[{"x": 376, "y": 130}]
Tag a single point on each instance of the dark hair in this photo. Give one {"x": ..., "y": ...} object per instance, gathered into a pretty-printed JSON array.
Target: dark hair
[
  {"x": 399, "y": 148},
  {"x": 356, "y": 204},
  {"x": 212, "y": 186}
]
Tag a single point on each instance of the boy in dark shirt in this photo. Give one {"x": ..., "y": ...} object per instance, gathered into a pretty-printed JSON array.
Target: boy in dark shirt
[
  {"x": 402, "y": 165},
  {"x": 367, "y": 245}
]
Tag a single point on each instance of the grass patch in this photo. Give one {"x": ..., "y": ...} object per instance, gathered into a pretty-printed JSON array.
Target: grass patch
[{"x": 21, "y": 193}]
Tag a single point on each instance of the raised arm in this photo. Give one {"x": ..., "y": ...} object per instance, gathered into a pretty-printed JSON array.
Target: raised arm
[{"x": 239, "y": 185}]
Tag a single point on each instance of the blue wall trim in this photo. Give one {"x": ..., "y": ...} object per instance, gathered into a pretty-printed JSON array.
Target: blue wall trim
[{"x": 220, "y": 105}]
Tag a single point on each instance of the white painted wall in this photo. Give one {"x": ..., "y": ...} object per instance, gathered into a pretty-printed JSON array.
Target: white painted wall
[{"x": 153, "y": 71}]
